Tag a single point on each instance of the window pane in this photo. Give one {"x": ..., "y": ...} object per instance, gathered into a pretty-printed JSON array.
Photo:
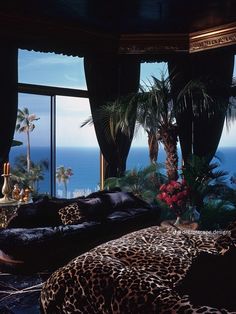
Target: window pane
[
  {"x": 39, "y": 140},
  {"x": 51, "y": 69},
  {"x": 77, "y": 148}
]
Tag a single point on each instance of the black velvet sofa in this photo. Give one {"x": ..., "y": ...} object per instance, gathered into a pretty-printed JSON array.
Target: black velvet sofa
[{"x": 35, "y": 239}]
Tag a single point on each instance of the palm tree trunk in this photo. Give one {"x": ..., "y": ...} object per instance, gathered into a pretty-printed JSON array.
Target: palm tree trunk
[
  {"x": 169, "y": 140},
  {"x": 65, "y": 189},
  {"x": 28, "y": 152},
  {"x": 153, "y": 147}
]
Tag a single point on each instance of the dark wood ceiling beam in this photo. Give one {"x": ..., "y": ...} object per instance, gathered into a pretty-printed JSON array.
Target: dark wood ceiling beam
[{"x": 55, "y": 36}]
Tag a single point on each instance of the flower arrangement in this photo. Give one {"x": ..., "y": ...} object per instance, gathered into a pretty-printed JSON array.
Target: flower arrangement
[{"x": 175, "y": 194}]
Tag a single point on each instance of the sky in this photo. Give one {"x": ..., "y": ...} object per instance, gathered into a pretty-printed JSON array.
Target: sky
[{"x": 59, "y": 70}]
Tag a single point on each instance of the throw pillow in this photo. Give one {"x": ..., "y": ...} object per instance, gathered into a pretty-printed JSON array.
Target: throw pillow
[
  {"x": 71, "y": 214},
  {"x": 123, "y": 200},
  {"x": 92, "y": 208}
]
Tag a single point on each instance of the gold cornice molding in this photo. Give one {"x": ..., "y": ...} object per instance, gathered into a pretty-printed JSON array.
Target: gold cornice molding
[
  {"x": 217, "y": 37},
  {"x": 224, "y": 35},
  {"x": 153, "y": 43}
]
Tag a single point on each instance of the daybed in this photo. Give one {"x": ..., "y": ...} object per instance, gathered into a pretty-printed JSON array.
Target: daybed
[
  {"x": 153, "y": 270},
  {"x": 48, "y": 233}
]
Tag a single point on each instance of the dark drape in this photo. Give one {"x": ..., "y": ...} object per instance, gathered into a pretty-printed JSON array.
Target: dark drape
[
  {"x": 109, "y": 77},
  {"x": 200, "y": 133},
  {"x": 9, "y": 99}
]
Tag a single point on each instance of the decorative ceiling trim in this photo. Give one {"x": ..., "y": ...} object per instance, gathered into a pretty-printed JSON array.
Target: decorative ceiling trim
[
  {"x": 73, "y": 39},
  {"x": 153, "y": 43},
  {"x": 224, "y": 35}
]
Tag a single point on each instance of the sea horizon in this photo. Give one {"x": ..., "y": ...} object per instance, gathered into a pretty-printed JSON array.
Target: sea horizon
[{"x": 85, "y": 163}]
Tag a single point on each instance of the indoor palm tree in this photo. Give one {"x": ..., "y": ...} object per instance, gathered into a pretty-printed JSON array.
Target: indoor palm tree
[
  {"x": 155, "y": 113},
  {"x": 25, "y": 124},
  {"x": 143, "y": 182},
  {"x": 153, "y": 109}
]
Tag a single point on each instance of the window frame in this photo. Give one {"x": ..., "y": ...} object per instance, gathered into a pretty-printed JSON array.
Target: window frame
[{"x": 52, "y": 92}]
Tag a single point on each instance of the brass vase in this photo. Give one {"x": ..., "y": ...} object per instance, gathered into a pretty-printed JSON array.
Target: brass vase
[{"x": 6, "y": 190}]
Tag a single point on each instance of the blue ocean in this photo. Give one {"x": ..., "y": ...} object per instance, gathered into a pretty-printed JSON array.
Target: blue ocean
[{"x": 85, "y": 165}]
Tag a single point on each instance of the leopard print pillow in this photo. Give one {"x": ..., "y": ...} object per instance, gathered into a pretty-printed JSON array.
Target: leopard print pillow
[{"x": 71, "y": 214}]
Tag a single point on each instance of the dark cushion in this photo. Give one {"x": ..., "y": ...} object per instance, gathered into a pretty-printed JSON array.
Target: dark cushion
[
  {"x": 123, "y": 200},
  {"x": 92, "y": 208},
  {"x": 118, "y": 215},
  {"x": 45, "y": 212},
  {"x": 42, "y": 213},
  {"x": 82, "y": 210},
  {"x": 38, "y": 244},
  {"x": 101, "y": 193}
]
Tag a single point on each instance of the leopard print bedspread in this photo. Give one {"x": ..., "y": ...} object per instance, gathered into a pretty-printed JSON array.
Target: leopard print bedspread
[{"x": 136, "y": 273}]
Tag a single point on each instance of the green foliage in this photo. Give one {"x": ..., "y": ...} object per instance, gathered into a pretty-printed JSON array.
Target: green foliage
[
  {"x": 25, "y": 120},
  {"x": 217, "y": 214},
  {"x": 230, "y": 196},
  {"x": 144, "y": 182},
  {"x": 203, "y": 179},
  {"x": 29, "y": 179}
]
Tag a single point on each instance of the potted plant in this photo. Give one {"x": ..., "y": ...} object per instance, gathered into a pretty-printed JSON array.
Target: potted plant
[{"x": 176, "y": 195}]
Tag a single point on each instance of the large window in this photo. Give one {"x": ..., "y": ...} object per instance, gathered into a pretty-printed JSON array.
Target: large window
[
  {"x": 138, "y": 156},
  {"x": 35, "y": 109},
  {"x": 55, "y": 142},
  {"x": 57, "y": 139}
]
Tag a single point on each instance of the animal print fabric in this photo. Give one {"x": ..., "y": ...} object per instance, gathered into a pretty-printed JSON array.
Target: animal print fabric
[
  {"x": 70, "y": 214},
  {"x": 136, "y": 273}
]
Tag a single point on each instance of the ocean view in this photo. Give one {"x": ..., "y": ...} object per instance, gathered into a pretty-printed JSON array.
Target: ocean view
[{"x": 85, "y": 165}]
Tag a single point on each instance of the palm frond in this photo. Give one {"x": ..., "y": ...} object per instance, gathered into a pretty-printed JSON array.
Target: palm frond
[{"x": 231, "y": 113}]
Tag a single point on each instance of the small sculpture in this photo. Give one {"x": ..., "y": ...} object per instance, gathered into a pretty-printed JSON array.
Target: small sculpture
[
  {"x": 16, "y": 192},
  {"x": 26, "y": 197}
]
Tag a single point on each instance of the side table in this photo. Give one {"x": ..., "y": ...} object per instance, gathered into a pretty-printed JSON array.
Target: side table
[{"x": 7, "y": 210}]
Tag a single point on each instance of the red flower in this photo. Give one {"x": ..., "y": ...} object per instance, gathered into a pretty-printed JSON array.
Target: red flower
[
  {"x": 162, "y": 187},
  {"x": 175, "y": 198},
  {"x": 175, "y": 195}
]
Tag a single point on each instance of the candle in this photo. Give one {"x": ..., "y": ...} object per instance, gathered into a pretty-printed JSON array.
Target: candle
[
  {"x": 5, "y": 168},
  {"x": 8, "y": 168}
]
